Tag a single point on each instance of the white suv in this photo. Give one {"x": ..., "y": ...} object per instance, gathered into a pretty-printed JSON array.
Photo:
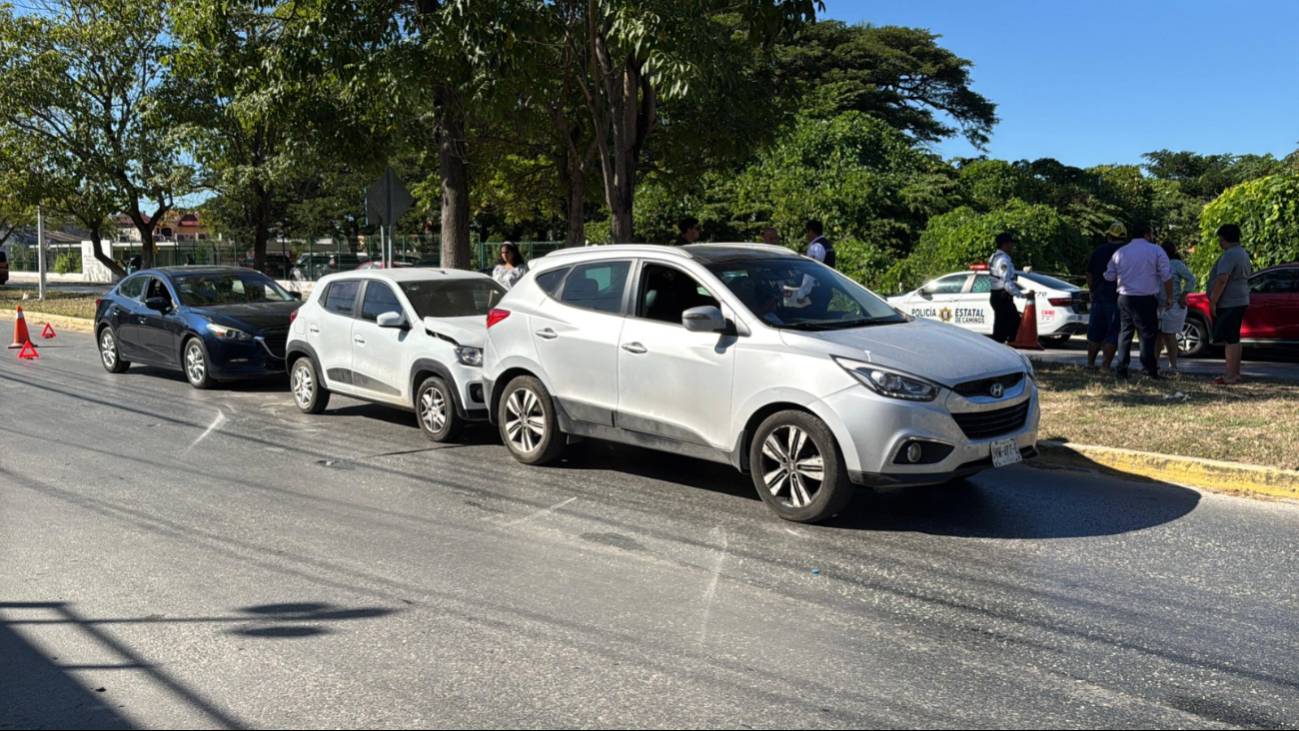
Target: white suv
[
  {"x": 753, "y": 356},
  {"x": 410, "y": 338}
]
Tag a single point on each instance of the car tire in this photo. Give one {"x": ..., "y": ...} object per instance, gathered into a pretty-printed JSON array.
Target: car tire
[
  {"x": 1193, "y": 340},
  {"x": 109, "y": 355},
  {"x": 783, "y": 480},
  {"x": 529, "y": 425},
  {"x": 307, "y": 387},
  {"x": 1054, "y": 341},
  {"x": 196, "y": 364},
  {"x": 435, "y": 410}
]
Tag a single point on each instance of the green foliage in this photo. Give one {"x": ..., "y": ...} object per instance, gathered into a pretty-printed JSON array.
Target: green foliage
[
  {"x": 1267, "y": 211},
  {"x": 1048, "y": 242},
  {"x": 895, "y": 74},
  {"x": 991, "y": 184},
  {"x": 1206, "y": 176},
  {"x": 68, "y": 263}
]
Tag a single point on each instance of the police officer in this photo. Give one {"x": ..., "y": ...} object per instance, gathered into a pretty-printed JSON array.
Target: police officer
[
  {"x": 1004, "y": 290},
  {"x": 818, "y": 246}
]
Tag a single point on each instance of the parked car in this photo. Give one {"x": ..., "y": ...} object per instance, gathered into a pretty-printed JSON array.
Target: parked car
[
  {"x": 962, "y": 299},
  {"x": 277, "y": 265},
  {"x": 410, "y": 338},
  {"x": 314, "y": 265},
  {"x": 213, "y": 323},
  {"x": 709, "y": 351},
  {"x": 1271, "y": 320},
  {"x": 397, "y": 261}
]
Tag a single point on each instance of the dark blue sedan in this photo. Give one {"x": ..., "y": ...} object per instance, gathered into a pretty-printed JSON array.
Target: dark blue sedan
[{"x": 213, "y": 323}]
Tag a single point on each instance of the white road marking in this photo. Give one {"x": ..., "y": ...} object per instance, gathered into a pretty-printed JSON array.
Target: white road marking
[
  {"x": 710, "y": 594},
  {"x": 220, "y": 418},
  {"x": 540, "y": 513}
]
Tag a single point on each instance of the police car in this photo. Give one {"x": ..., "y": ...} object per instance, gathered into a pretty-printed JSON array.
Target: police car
[{"x": 962, "y": 299}]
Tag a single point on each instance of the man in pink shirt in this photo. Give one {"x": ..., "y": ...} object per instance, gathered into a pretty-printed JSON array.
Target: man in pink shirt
[{"x": 1141, "y": 268}]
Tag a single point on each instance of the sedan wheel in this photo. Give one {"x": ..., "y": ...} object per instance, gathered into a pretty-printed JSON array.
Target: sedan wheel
[
  {"x": 196, "y": 364},
  {"x": 108, "y": 353}
]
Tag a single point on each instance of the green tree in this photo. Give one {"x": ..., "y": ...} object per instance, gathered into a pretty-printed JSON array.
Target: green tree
[
  {"x": 82, "y": 77},
  {"x": 1267, "y": 211},
  {"x": 896, "y": 74}
]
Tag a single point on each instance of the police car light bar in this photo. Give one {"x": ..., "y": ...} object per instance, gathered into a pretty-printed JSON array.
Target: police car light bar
[{"x": 980, "y": 267}]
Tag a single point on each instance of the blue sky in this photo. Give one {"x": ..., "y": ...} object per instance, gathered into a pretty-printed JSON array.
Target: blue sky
[{"x": 1089, "y": 82}]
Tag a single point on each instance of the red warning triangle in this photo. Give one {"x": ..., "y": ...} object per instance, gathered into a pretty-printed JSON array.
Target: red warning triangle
[
  {"x": 28, "y": 351},
  {"x": 48, "y": 332}
]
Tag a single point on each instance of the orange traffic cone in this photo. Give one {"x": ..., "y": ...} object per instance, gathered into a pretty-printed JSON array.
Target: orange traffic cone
[
  {"x": 1027, "y": 337},
  {"x": 28, "y": 352},
  {"x": 48, "y": 332},
  {"x": 21, "y": 338}
]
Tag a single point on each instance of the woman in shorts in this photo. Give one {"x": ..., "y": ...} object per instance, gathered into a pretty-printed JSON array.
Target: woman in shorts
[{"x": 1172, "y": 313}]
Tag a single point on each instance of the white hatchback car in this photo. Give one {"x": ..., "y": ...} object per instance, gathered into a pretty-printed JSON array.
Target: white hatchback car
[
  {"x": 410, "y": 338},
  {"x": 963, "y": 299},
  {"x": 756, "y": 357}
]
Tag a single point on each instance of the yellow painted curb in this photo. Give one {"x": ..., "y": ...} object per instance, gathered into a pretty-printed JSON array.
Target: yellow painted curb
[
  {"x": 36, "y": 320},
  {"x": 1208, "y": 474}
]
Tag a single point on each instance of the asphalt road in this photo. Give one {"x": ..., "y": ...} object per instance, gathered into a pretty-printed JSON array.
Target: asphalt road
[{"x": 172, "y": 558}]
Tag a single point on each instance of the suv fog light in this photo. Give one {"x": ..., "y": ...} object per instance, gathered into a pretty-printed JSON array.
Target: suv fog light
[{"x": 915, "y": 452}]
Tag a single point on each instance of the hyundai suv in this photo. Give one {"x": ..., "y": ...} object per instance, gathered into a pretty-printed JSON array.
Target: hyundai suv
[
  {"x": 756, "y": 357},
  {"x": 409, "y": 338}
]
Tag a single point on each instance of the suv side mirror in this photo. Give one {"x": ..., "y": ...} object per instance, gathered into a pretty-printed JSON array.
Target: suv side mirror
[
  {"x": 703, "y": 320},
  {"x": 391, "y": 319},
  {"x": 159, "y": 304}
]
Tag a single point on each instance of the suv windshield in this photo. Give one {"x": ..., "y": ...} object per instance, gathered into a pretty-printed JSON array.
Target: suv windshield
[
  {"x": 453, "y": 298},
  {"x": 207, "y": 290},
  {"x": 802, "y": 295}
]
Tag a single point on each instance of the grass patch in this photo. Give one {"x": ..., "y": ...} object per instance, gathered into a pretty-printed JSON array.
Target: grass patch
[
  {"x": 1255, "y": 422},
  {"x": 67, "y": 304}
]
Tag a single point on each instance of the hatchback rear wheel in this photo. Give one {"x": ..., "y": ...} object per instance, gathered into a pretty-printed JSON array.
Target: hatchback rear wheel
[
  {"x": 529, "y": 426},
  {"x": 798, "y": 469},
  {"x": 309, "y": 392}
]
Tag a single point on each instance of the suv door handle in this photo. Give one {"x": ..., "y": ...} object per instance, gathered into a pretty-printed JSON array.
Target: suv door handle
[
  {"x": 635, "y": 348},
  {"x": 548, "y": 334}
]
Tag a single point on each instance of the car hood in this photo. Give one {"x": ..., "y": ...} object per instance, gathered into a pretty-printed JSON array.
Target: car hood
[
  {"x": 934, "y": 350},
  {"x": 252, "y": 317},
  {"x": 466, "y": 331}
]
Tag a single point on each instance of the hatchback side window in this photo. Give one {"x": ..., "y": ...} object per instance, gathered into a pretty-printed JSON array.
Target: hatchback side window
[
  {"x": 379, "y": 298},
  {"x": 597, "y": 286},
  {"x": 666, "y": 293},
  {"x": 341, "y": 297},
  {"x": 133, "y": 289}
]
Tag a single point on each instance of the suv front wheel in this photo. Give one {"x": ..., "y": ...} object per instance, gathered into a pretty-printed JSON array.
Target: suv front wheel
[
  {"x": 529, "y": 426},
  {"x": 798, "y": 469}
]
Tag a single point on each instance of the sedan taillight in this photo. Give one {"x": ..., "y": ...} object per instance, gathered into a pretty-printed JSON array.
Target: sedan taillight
[
  {"x": 494, "y": 316},
  {"x": 1063, "y": 301}
]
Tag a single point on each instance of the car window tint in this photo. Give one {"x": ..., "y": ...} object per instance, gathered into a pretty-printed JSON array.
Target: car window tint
[
  {"x": 157, "y": 289},
  {"x": 982, "y": 284},
  {"x": 1271, "y": 283},
  {"x": 597, "y": 286},
  {"x": 667, "y": 292},
  {"x": 550, "y": 281},
  {"x": 341, "y": 297},
  {"x": 379, "y": 298},
  {"x": 133, "y": 289}
]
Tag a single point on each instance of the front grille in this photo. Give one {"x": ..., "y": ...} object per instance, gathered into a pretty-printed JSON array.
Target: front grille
[
  {"x": 981, "y": 386},
  {"x": 989, "y": 424},
  {"x": 274, "y": 341}
]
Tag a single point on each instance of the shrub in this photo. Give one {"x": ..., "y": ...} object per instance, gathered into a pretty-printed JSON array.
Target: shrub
[
  {"x": 68, "y": 263},
  {"x": 1267, "y": 211}
]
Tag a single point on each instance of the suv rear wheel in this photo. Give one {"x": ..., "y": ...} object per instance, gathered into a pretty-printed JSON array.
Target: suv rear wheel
[
  {"x": 798, "y": 469},
  {"x": 1193, "y": 340},
  {"x": 529, "y": 426}
]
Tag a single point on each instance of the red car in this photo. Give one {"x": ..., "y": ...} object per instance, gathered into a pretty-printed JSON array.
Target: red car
[{"x": 1272, "y": 317}]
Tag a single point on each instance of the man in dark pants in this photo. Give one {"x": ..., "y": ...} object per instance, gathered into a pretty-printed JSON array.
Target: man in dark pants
[
  {"x": 1140, "y": 268},
  {"x": 1005, "y": 325}
]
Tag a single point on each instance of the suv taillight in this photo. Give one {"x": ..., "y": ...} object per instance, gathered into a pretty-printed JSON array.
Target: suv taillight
[{"x": 494, "y": 316}]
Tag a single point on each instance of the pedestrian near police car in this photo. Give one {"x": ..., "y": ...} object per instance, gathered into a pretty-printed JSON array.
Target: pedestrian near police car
[
  {"x": 1103, "y": 321},
  {"x": 1172, "y": 310},
  {"x": 1005, "y": 325},
  {"x": 1141, "y": 269}
]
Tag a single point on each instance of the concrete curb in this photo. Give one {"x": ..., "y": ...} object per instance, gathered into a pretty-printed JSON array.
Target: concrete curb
[
  {"x": 37, "y": 320},
  {"x": 1207, "y": 474}
]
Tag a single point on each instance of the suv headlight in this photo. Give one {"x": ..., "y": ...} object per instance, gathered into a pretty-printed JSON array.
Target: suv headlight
[
  {"x": 888, "y": 382},
  {"x": 470, "y": 356},
  {"x": 229, "y": 333}
]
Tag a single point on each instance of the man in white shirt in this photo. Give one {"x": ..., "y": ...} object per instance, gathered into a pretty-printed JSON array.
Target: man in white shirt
[
  {"x": 1141, "y": 269},
  {"x": 819, "y": 248},
  {"x": 1005, "y": 327}
]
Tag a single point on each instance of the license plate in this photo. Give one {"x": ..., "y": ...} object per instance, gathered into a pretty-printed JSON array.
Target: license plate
[{"x": 1005, "y": 452}]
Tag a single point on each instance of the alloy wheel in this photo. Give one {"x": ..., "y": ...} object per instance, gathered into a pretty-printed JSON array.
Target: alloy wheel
[
  {"x": 525, "y": 422},
  {"x": 108, "y": 349},
  {"x": 433, "y": 410},
  {"x": 1188, "y": 340},
  {"x": 304, "y": 385},
  {"x": 195, "y": 365},
  {"x": 792, "y": 466}
]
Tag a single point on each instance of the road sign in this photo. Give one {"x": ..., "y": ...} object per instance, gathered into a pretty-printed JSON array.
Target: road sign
[{"x": 387, "y": 200}]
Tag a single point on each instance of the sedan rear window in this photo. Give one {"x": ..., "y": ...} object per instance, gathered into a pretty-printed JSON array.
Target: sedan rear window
[{"x": 453, "y": 298}]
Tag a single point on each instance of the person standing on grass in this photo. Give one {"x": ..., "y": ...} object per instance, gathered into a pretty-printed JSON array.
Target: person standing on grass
[
  {"x": 1001, "y": 271},
  {"x": 1172, "y": 310},
  {"x": 1141, "y": 268},
  {"x": 1229, "y": 298},
  {"x": 511, "y": 267},
  {"x": 1103, "y": 321},
  {"x": 689, "y": 228}
]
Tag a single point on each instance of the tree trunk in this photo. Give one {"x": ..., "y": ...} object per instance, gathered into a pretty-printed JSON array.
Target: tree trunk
[
  {"x": 97, "y": 245},
  {"x": 576, "y": 235},
  {"x": 450, "y": 135}
]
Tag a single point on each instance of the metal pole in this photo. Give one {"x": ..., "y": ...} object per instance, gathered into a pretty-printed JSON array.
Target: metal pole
[{"x": 40, "y": 252}]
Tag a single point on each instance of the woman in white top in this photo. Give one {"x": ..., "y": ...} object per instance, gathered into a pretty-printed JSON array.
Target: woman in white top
[
  {"x": 511, "y": 267},
  {"x": 1172, "y": 316}
]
